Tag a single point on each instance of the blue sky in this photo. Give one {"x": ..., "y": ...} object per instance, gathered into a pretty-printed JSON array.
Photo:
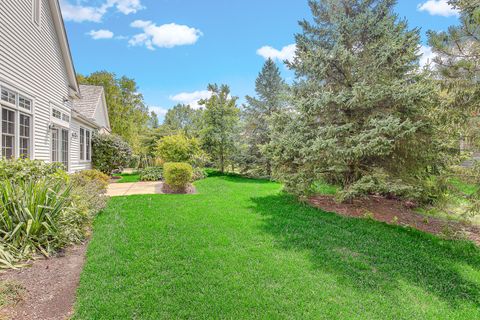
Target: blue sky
[{"x": 175, "y": 48}]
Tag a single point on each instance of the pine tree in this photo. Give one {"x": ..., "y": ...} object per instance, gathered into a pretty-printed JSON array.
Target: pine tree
[
  {"x": 457, "y": 63},
  {"x": 359, "y": 101},
  {"x": 271, "y": 99},
  {"x": 221, "y": 116}
]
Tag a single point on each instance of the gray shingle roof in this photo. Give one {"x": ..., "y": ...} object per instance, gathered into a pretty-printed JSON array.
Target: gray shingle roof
[{"x": 91, "y": 97}]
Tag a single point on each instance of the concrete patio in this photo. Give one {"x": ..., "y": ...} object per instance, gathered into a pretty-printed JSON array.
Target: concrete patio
[{"x": 136, "y": 188}]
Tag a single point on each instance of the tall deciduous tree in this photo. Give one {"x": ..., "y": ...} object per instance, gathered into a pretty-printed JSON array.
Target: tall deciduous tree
[
  {"x": 126, "y": 109},
  {"x": 271, "y": 98},
  {"x": 185, "y": 119},
  {"x": 358, "y": 117},
  {"x": 220, "y": 119}
]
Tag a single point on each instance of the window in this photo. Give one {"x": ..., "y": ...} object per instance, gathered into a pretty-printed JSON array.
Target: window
[
  {"x": 85, "y": 144},
  {"x": 37, "y": 11},
  {"x": 25, "y": 127},
  {"x": 8, "y": 133},
  {"x": 65, "y": 117},
  {"x": 9, "y": 96},
  {"x": 24, "y": 103},
  {"x": 59, "y": 146},
  {"x": 88, "y": 149},
  {"x": 82, "y": 144},
  {"x": 56, "y": 114}
]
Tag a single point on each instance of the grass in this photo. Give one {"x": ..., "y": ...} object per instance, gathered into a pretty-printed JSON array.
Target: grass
[
  {"x": 128, "y": 177},
  {"x": 9, "y": 293},
  {"x": 241, "y": 249}
]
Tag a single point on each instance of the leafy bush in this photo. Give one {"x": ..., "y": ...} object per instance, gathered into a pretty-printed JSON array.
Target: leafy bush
[
  {"x": 198, "y": 174},
  {"x": 178, "y": 175},
  {"x": 86, "y": 176},
  {"x": 89, "y": 190},
  {"x": 178, "y": 148},
  {"x": 110, "y": 152},
  {"x": 151, "y": 174},
  {"x": 25, "y": 169},
  {"x": 38, "y": 216}
]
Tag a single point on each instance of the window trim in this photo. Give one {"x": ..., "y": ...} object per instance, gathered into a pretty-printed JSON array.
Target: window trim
[
  {"x": 17, "y": 111},
  {"x": 87, "y": 148},
  {"x": 37, "y": 12}
]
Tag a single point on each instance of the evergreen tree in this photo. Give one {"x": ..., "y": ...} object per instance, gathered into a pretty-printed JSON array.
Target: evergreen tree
[
  {"x": 221, "y": 116},
  {"x": 457, "y": 63},
  {"x": 271, "y": 98},
  {"x": 358, "y": 118}
]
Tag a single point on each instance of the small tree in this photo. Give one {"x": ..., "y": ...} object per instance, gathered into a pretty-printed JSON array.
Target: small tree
[
  {"x": 178, "y": 148},
  {"x": 221, "y": 117},
  {"x": 109, "y": 153}
]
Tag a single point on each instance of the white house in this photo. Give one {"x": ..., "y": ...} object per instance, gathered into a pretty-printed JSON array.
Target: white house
[{"x": 45, "y": 114}]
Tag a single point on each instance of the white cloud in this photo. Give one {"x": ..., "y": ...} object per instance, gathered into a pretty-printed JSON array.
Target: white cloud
[
  {"x": 160, "y": 111},
  {"x": 101, "y": 34},
  {"x": 286, "y": 53},
  {"x": 81, "y": 13},
  {"x": 191, "y": 98},
  {"x": 164, "y": 36},
  {"x": 438, "y": 8},
  {"x": 427, "y": 56}
]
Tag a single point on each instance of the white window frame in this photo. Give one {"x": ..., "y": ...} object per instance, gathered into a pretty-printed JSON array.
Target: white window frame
[
  {"x": 86, "y": 147},
  {"x": 60, "y": 124},
  {"x": 37, "y": 12},
  {"x": 15, "y": 107}
]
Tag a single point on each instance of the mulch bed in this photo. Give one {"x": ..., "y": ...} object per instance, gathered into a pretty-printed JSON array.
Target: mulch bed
[
  {"x": 189, "y": 190},
  {"x": 396, "y": 213},
  {"x": 49, "y": 287}
]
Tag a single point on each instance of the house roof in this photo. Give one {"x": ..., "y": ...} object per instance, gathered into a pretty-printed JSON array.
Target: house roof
[
  {"x": 64, "y": 46},
  {"x": 91, "y": 96}
]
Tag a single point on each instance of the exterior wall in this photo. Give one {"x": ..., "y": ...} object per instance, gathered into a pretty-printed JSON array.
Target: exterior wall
[
  {"x": 100, "y": 116},
  {"x": 75, "y": 163},
  {"x": 31, "y": 62}
]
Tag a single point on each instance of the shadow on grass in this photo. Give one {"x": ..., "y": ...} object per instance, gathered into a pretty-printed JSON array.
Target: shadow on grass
[
  {"x": 370, "y": 255},
  {"x": 235, "y": 177}
]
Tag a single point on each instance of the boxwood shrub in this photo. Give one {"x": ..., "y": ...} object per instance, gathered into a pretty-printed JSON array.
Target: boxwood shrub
[{"x": 178, "y": 175}]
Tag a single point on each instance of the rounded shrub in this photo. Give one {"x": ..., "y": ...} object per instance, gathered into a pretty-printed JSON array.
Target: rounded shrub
[
  {"x": 178, "y": 175},
  {"x": 110, "y": 152}
]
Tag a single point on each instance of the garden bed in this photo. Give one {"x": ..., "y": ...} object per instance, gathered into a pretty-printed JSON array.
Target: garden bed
[
  {"x": 49, "y": 287},
  {"x": 397, "y": 213}
]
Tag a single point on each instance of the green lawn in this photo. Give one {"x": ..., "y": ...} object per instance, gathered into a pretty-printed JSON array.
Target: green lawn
[
  {"x": 128, "y": 177},
  {"x": 240, "y": 249}
]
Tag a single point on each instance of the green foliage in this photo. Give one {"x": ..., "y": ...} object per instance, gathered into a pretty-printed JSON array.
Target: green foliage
[
  {"x": 26, "y": 169},
  {"x": 127, "y": 112},
  {"x": 272, "y": 98},
  {"x": 359, "y": 103},
  {"x": 221, "y": 117},
  {"x": 89, "y": 190},
  {"x": 178, "y": 148},
  {"x": 151, "y": 174},
  {"x": 110, "y": 152},
  {"x": 37, "y": 216},
  {"x": 86, "y": 176},
  {"x": 178, "y": 175},
  {"x": 198, "y": 174},
  {"x": 184, "y": 119},
  {"x": 457, "y": 69}
]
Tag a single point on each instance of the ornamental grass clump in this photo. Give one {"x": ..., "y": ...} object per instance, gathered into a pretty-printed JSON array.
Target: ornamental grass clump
[{"x": 178, "y": 175}]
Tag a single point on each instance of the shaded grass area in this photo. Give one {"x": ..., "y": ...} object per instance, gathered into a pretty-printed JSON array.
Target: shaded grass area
[
  {"x": 240, "y": 249},
  {"x": 128, "y": 177}
]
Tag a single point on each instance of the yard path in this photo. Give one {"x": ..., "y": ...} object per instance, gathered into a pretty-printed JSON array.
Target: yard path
[{"x": 135, "y": 188}]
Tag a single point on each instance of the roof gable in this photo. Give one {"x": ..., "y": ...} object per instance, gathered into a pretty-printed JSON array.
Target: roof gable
[{"x": 92, "y": 105}]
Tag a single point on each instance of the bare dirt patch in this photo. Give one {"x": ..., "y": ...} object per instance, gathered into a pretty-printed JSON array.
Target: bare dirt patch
[
  {"x": 396, "y": 213},
  {"x": 49, "y": 287}
]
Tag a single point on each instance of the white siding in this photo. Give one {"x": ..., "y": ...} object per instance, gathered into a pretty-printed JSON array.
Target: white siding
[
  {"x": 31, "y": 61},
  {"x": 75, "y": 163}
]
